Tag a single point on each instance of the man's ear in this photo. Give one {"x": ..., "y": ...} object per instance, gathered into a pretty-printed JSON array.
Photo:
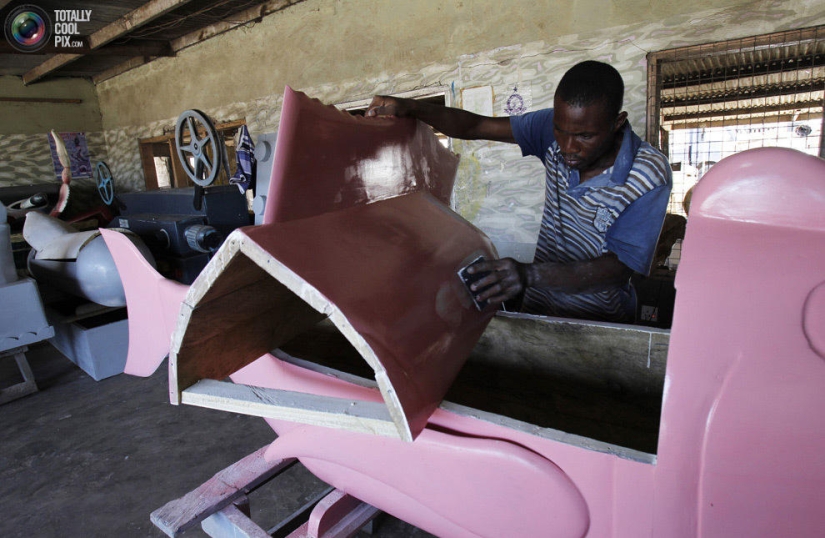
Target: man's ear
[{"x": 621, "y": 119}]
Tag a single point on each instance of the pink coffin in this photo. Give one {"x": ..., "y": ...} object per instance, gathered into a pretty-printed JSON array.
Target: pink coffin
[{"x": 741, "y": 432}]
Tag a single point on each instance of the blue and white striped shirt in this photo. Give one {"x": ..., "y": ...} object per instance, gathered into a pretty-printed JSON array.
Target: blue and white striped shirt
[{"x": 620, "y": 211}]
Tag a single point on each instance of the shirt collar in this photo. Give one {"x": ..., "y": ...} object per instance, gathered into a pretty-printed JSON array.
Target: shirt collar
[
  {"x": 627, "y": 154},
  {"x": 617, "y": 174}
]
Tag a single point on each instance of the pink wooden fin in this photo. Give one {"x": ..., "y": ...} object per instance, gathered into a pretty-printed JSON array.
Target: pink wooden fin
[{"x": 152, "y": 303}]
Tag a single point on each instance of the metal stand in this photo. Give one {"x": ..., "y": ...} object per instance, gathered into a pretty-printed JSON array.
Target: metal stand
[{"x": 221, "y": 506}]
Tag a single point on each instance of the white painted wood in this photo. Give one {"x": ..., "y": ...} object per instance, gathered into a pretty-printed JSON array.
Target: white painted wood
[{"x": 352, "y": 415}]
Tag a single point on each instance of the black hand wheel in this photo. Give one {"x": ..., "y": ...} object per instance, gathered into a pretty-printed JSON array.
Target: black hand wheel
[{"x": 198, "y": 147}]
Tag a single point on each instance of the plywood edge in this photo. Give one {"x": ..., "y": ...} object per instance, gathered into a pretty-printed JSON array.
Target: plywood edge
[
  {"x": 351, "y": 415},
  {"x": 216, "y": 266},
  {"x": 550, "y": 320},
  {"x": 184, "y": 315}
]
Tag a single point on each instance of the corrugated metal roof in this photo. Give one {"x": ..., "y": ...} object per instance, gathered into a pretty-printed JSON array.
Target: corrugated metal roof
[{"x": 779, "y": 71}]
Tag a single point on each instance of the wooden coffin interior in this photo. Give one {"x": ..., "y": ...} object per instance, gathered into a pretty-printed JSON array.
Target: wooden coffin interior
[{"x": 576, "y": 381}]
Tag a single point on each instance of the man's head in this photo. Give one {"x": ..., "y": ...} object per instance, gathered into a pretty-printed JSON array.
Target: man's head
[
  {"x": 591, "y": 82},
  {"x": 588, "y": 118}
]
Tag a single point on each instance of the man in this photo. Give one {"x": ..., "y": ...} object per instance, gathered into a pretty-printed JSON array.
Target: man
[{"x": 606, "y": 195}]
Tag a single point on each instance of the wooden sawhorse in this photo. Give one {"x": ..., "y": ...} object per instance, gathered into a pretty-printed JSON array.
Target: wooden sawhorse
[{"x": 221, "y": 506}]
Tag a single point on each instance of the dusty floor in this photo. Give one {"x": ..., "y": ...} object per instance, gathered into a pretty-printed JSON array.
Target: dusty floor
[{"x": 85, "y": 458}]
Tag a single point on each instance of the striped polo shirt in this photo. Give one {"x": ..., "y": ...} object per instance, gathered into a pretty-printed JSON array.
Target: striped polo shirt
[{"x": 620, "y": 211}]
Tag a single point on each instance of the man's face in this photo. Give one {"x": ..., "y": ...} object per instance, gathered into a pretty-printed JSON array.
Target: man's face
[{"x": 587, "y": 135}]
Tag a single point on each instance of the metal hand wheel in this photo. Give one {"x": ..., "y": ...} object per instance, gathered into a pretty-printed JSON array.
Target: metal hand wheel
[
  {"x": 105, "y": 184},
  {"x": 199, "y": 147}
]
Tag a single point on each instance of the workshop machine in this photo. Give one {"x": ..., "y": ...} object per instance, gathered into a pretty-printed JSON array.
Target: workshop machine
[
  {"x": 183, "y": 227},
  {"x": 177, "y": 231}
]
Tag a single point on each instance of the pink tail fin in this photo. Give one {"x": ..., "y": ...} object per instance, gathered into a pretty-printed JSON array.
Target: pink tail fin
[{"x": 152, "y": 302}]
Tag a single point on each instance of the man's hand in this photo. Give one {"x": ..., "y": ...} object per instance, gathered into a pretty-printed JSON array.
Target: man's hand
[
  {"x": 507, "y": 279},
  {"x": 384, "y": 105}
]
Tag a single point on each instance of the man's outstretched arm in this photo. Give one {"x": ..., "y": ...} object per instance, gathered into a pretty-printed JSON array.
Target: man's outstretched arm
[{"x": 453, "y": 122}]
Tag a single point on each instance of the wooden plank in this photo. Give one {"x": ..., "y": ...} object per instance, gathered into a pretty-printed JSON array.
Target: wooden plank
[
  {"x": 120, "y": 68},
  {"x": 625, "y": 358},
  {"x": 125, "y": 24},
  {"x": 299, "y": 517},
  {"x": 487, "y": 416},
  {"x": 132, "y": 20},
  {"x": 599, "y": 381},
  {"x": 148, "y": 48},
  {"x": 41, "y": 100},
  {"x": 353, "y": 415},
  {"x": 218, "y": 492},
  {"x": 52, "y": 64},
  {"x": 255, "y": 13}
]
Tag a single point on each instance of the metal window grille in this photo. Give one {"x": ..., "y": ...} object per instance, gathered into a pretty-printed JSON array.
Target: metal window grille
[{"x": 707, "y": 102}]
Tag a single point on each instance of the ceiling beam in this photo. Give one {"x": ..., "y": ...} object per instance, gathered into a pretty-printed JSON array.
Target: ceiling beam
[
  {"x": 58, "y": 100},
  {"x": 55, "y": 62},
  {"x": 120, "y": 68},
  {"x": 255, "y": 13},
  {"x": 132, "y": 20},
  {"x": 252, "y": 14}
]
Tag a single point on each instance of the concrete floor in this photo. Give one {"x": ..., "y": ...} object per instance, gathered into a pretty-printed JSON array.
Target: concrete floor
[{"x": 85, "y": 458}]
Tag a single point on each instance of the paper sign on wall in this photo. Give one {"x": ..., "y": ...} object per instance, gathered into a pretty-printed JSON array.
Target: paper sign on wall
[{"x": 478, "y": 100}]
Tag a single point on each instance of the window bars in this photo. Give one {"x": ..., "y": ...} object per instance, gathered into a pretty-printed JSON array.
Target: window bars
[{"x": 706, "y": 102}]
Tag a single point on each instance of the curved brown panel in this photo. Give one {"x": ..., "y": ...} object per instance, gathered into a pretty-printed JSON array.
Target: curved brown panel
[
  {"x": 327, "y": 159},
  {"x": 377, "y": 252}
]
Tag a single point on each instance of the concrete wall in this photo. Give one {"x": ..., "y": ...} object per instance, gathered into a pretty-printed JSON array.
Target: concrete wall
[
  {"x": 38, "y": 118},
  {"x": 25, "y": 158}
]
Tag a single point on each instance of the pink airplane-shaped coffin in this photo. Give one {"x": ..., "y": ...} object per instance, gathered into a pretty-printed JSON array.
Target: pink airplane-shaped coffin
[{"x": 741, "y": 432}]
